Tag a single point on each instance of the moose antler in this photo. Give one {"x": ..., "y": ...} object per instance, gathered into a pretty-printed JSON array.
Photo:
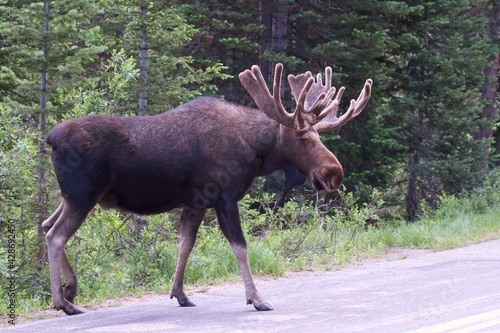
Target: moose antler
[
  {"x": 297, "y": 84},
  {"x": 254, "y": 83},
  {"x": 331, "y": 121},
  {"x": 305, "y": 115}
]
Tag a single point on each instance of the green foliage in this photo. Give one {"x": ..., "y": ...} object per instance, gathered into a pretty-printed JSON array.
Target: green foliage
[
  {"x": 458, "y": 221},
  {"x": 17, "y": 170},
  {"x": 108, "y": 94},
  {"x": 440, "y": 75},
  {"x": 289, "y": 62},
  {"x": 305, "y": 229},
  {"x": 75, "y": 45},
  {"x": 121, "y": 259},
  {"x": 227, "y": 33},
  {"x": 18, "y": 167},
  {"x": 438, "y": 233},
  {"x": 476, "y": 201},
  {"x": 173, "y": 77}
]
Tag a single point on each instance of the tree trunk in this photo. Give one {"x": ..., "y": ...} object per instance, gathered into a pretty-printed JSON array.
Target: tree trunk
[
  {"x": 143, "y": 91},
  {"x": 143, "y": 60},
  {"x": 280, "y": 33},
  {"x": 413, "y": 197},
  {"x": 489, "y": 93},
  {"x": 281, "y": 27},
  {"x": 41, "y": 195},
  {"x": 266, "y": 37},
  {"x": 42, "y": 211},
  {"x": 198, "y": 39},
  {"x": 490, "y": 87},
  {"x": 412, "y": 200}
]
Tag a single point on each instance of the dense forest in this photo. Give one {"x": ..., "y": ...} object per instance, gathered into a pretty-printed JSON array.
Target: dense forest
[{"x": 429, "y": 130}]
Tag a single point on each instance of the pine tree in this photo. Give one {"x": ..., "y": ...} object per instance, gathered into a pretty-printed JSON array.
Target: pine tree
[
  {"x": 235, "y": 33},
  {"x": 489, "y": 90},
  {"x": 155, "y": 33},
  {"x": 439, "y": 60},
  {"x": 43, "y": 61},
  {"x": 45, "y": 48},
  {"x": 353, "y": 37}
]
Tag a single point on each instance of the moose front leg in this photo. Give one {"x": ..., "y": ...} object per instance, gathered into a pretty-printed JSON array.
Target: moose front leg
[
  {"x": 190, "y": 222},
  {"x": 230, "y": 224}
]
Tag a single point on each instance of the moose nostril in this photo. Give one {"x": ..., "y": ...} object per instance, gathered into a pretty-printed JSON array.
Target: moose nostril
[
  {"x": 330, "y": 179},
  {"x": 336, "y": 181}
]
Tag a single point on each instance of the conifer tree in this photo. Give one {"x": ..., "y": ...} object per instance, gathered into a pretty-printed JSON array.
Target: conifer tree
[
  {"x": 227, "y": 32},
  {"x": 489, "y": 90},
  {"x": 154, "y": 33},
  {"x": 439, "y": 66},
  {"x": 42, "y": 61},
  {"x": 353, "y": 38}
]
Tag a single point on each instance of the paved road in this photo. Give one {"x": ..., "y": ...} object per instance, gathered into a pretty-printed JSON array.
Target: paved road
[{"x": 450, "y": 291}]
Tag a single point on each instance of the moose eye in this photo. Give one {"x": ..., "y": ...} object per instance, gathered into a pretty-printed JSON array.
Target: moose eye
[{"x": 302, "y": 141}]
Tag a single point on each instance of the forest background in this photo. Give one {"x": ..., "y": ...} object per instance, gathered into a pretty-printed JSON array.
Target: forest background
[{"x": 428, "y": 136}]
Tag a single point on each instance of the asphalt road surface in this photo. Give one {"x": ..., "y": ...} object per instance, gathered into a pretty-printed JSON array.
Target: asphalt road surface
[{"x": 450, "y": 291}]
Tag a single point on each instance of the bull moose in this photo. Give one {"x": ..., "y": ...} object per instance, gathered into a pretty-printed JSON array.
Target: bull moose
[{"x": 203, "y": 154}]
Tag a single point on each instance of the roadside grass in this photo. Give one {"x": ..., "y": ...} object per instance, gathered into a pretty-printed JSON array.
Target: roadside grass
[
  {"x": 437, "y": 234},
  {"x": 299, "y": 237}
]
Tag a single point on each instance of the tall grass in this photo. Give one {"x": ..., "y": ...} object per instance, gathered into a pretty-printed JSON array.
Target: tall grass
[
  {"x": 441, "y": 232},
  {"x": 458, "y": 221}
]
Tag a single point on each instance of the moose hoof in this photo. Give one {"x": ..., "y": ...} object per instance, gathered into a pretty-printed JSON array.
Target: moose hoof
[
  {"x": 263, "y": 307},
  {"x": 70, "y": 311},
  {"x": 75, "y": 312},
  {"x": 183, "y": 301},
  {"x": 186, "y": 303}
]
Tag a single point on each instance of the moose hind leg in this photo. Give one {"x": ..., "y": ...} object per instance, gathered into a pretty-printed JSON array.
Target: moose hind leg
[
  {"x": 190, "y": 222},
  {"x": 48, "y": 223},
  {"x": 57, "y": 236},
  {"x": 71, "y": 282},
  {"x": 230, "y": 224}
]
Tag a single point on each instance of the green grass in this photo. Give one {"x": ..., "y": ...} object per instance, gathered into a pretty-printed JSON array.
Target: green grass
[{"x": 440, "y": 234}]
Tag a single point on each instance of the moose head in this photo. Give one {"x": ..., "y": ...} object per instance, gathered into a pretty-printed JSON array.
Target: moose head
[{"x": 315, "y": 112}]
